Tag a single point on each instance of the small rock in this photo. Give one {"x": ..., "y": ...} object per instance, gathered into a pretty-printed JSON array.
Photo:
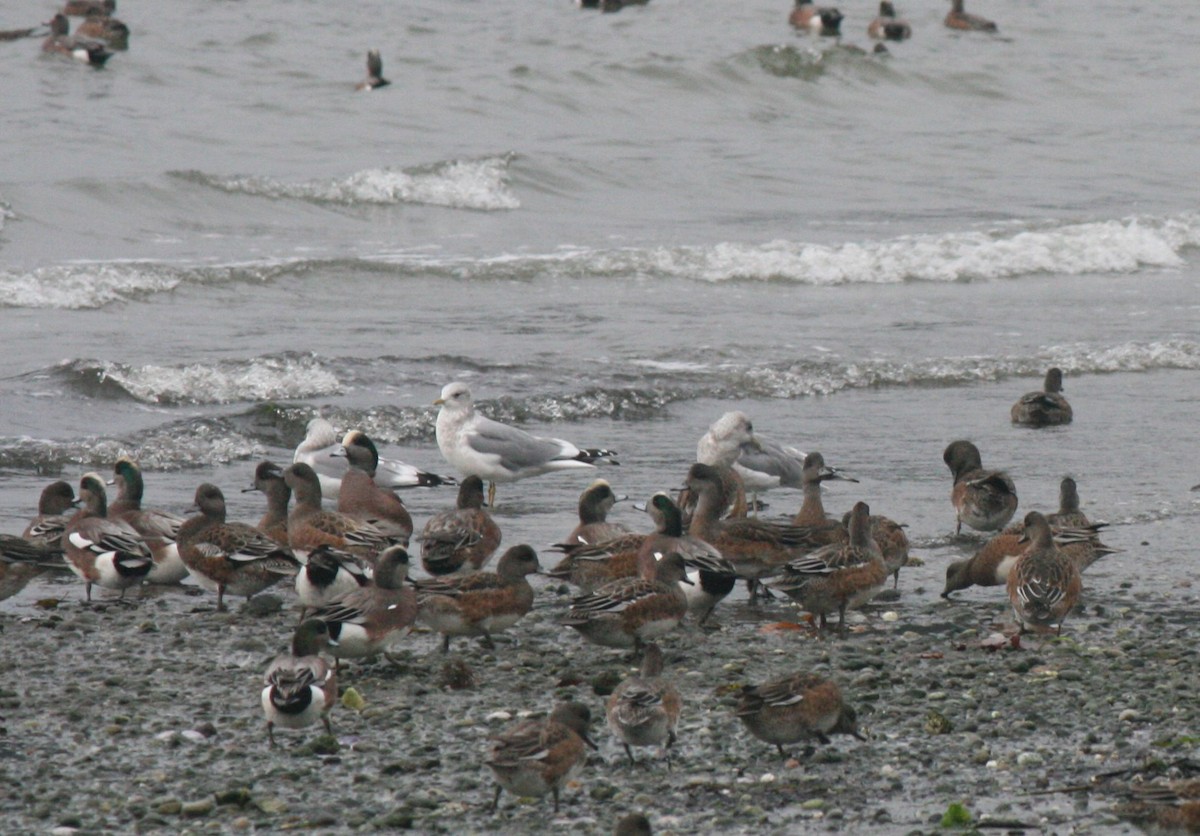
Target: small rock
[
  {"x": 271, "y": 806},
  {"x": 196, "y": 809},
  {"x": 261, "y": 606},
  {"x": 353, "y": 700},
  {"x": 602, "y": 792},
  {"x": 1030, "y": 759}
]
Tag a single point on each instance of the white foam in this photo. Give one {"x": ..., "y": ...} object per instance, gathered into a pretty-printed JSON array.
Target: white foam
[
  {"x": 75, "y": 286},
  {"x": 480, "y": 184},
  {"x": 264, "y": 378},
  {"x": 1113, "y": 246}
]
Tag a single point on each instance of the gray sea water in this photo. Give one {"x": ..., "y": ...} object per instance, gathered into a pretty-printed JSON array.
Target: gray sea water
[{"x": 616, "y": 228}]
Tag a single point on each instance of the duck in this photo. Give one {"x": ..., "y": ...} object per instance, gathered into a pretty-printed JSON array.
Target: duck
[
  {"x": 1068, "y": 514},
  {"x": 710, "y": 577},
  {"x": 300, "y": 687},
  {"x": 796, "y": 707},
  {"x": 1044, "y": 408},
  {"x": 309, "y": 525},
  {"x": 61, "y": 42},
  {"x": 886, "y": 26},
  {"x": 818, "y": 20},
  {"x": 362, "y": 498},
  {"x": 104, "y": 552},
  {"x": 329, "y": 574},
  {"x": 755, "y": 549},
  {"x": 157, "y": 528},
  {"x": 39, "y": 548},
  {"x": 629, "y": 612},
  {"x": 992, "y": 563},
  {"x": 269, "y": 481},
  {"x": 957, "y": 18},
  {"x": 1043, "y": 585},
  {"x": 83, "y": 8},
  {"x": 230, "y": 556},
  {"x": 479, "y": 603},
  {"x": 594, "y": 527},
  {"x": 363, "y": 621},
  {"x": 983, "y": 499},
  {"x": 621, "y": 557},
  {"x": 534, "y": 758},
  {"x": 21, "y": 562},
  {"x": 643, "y": 710},
  {"x": 374, "y": 79},
  {"x": 478, "y": 446},
  {"x": 105, "y": 28},
  {"x": 46, "y": 529},
  {"x": 841, "y": 576},
  {"x": 887, "y": 533},
  {"x": 812, "y": 509},
  {"x": 461, "y": 539}
]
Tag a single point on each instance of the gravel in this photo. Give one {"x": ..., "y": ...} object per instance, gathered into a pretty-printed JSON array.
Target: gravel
[{"x": 146, "y": 718}]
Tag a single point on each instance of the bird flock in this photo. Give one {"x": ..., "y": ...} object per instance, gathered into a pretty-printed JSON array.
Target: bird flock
[
  {"x": 95, "y": 40},
  {"x": 349, "y": 565}
]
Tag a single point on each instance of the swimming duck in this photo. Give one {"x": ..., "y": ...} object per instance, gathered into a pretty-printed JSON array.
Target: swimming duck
[
  {"x": 1045, "y": 408},
  {"x": 818, "y": 20},
  {"x": 103, "y": 27},
  {"x": 60, "y": 42},
  {"x": 888, "y": 27},
  {"x": 374, "y": 79},
  {"x": 956, "y": 18}
]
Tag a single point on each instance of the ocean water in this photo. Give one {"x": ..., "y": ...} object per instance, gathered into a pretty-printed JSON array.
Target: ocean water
[{"x": 616, "y": 228}]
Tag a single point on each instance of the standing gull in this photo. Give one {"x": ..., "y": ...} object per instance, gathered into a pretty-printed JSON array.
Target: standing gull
[{"x": 479, "y": 446}]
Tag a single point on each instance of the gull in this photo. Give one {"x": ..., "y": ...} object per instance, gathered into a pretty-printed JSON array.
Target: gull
[
  {"x": 761, "y": 462},
  {"x": 478, "y": 446},
  {"x": 321, "y": 450}
]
